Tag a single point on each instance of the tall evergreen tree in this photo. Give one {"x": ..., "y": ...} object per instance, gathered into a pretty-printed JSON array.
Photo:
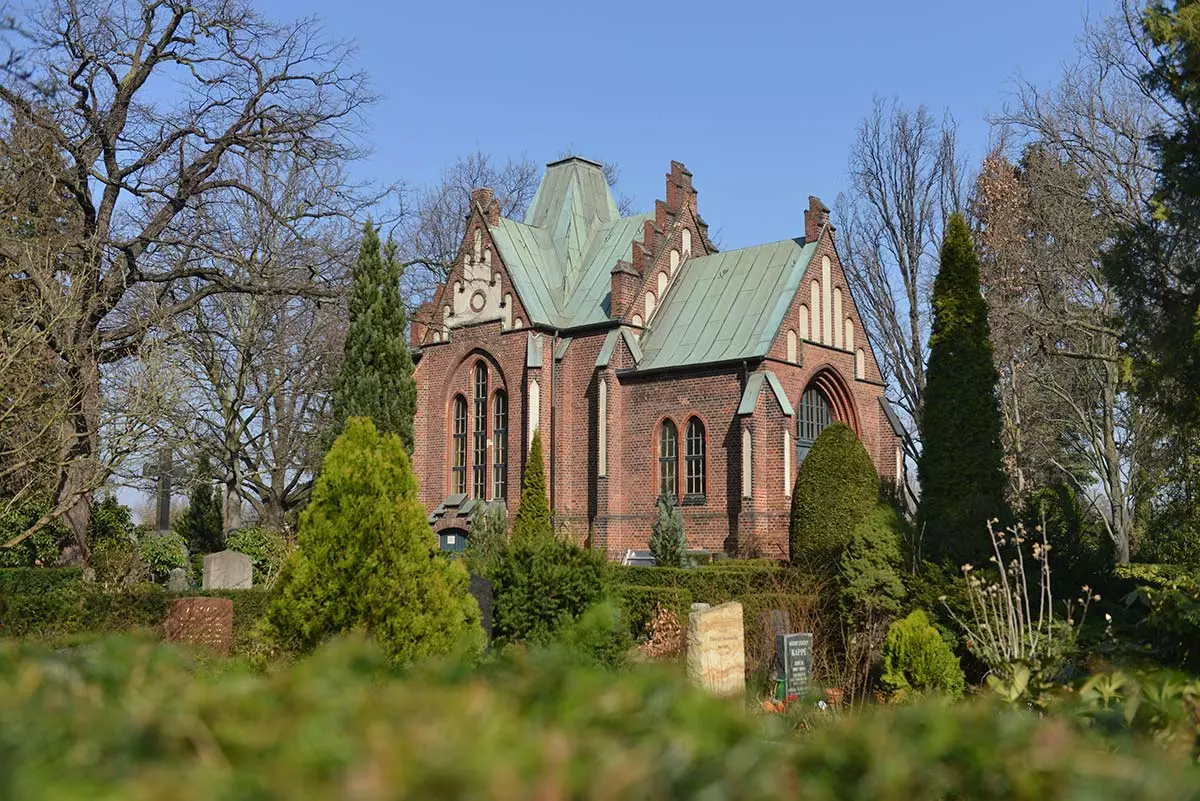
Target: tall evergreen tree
[
  {"x": 1154, "y": 264},
  {"x": 961, "y": 465},
  {"x": 201, "y": 524},
  {"x": 533, "y": 515},
  {"x": 376, "y": 380},
  {"x": 368, "y": 559}
]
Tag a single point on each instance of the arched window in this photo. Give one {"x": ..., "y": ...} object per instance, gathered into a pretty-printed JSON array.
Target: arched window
[
  {"x": 458, "y": 448},
  {"x": 668, "y": 459},
  {"x": 814, "y": 416},
  {"x": 500, "y": 446},
  {"x": 695, "y": 467},
  {"x": 479, "y": 456},
  {"x": 686, "y": 241},
  {"x": 602, "y": 428},
  {"x": 791, "y": 346}
]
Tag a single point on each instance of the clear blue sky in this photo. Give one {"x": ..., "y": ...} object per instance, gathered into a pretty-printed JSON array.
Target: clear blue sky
[{"x": 759, "y": 99}]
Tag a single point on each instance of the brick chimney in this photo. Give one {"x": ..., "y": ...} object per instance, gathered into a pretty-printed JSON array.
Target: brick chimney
[
  {"x": 485, "y": 199},
  {"x": 625, "y": 285},
  {"x": 815, "y": 218}
]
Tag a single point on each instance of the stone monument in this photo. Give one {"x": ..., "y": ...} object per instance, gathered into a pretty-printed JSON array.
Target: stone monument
[
  {"x": 228, "y": 570},
  {"x": 205, "y": 621},
  {"x": 793, "y": 662},
  {"x": 716, "y": 649}
]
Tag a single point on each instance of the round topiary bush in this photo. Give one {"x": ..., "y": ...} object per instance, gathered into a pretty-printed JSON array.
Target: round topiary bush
[
  {"x": 835, "y": 488},
  {"x": 368, "y": 559},
  {"x": 916, "y": 660}
]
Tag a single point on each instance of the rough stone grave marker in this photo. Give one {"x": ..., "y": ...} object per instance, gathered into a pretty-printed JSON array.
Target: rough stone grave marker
[
  {"x": 228, "y": 570},
  {"x": 716, "y": 649},
  {"x": 178, "y": 581},
  {"x": 793, "y": 662},
  {"x": 206, "y": 621}
]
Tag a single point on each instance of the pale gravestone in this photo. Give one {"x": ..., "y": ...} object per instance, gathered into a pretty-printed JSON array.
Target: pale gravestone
[
  {"x": 177, "y": 580},
  {"x": 228, "y": 570},
  {"x": 793, "y": 661},
  {"x": 205, "y": 621},
  {"x": 716, "y": 649}
]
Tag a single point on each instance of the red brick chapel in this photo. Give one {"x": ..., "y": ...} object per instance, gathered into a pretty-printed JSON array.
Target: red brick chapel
[{"x": 650, "y": 362}]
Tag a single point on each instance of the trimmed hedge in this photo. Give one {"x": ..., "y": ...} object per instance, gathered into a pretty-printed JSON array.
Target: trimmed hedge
[
  {"x": 714, "y": 584},
  {"x": 42, "y": 603},
  {"x": 33, "y": 580}
]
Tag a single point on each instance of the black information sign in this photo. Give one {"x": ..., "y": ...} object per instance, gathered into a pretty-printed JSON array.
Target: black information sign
[{"x": 793, "y": 657}]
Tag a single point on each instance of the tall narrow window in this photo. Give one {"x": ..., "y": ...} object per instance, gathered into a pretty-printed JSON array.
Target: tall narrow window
[
  {"x": 458, "y": 465},
  {"x": 747, "y": 464},
  {"x": 602, "y": 428},
  {"x": 813, "y": 417},
  {"x": 500, "y": 447},
  {"x": 695, "y": 467},
  {"x": 668, "y": 459},
  {"x": 479, "y": 457}
]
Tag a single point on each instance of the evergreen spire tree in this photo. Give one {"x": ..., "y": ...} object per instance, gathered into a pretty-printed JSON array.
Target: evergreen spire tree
[
  {"x": 202, "y": 523},
  {"x": 376, "y": 380},
  {"x": 533, "y": 515},
  {"x": 961, "y": 465}
]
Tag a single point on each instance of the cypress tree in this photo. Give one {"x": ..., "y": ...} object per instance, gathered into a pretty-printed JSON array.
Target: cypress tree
[
  {"x": 961, "y": 464},
  {"x": 376, "y": 380},
  {"x": 667, "y": 540},
  {"x": 368, "y": 559},
  {"x": 533, "y": 515},
  {"x": 201, "y": 524}
]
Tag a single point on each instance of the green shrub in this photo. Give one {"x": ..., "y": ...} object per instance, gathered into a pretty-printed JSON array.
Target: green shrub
[
  {"x": 267, "y": 550},
  {"x": 368, "y": 558},
  {"x": 543, "y": 583},
  {"x": 110, "y": 519},
  {"x": 667, "y": 541},
  {"x": 713, "y": 584},
  {"x": 871, "y": 583},
  {"x": 531, "y": 725},
  {"x": 600, "y": 636},
  {"x": 162, "y": 553},
  {"x": 533, "y": 513},
  {"x": 836, "y": 486},
  {"x": 917, "y": 660},
  {"x": 36, "y": 580},
  {"x": 1080, "y": 550},
  {"x": 489, "y": 534},
  {"x": 1173, "y": 621},
  {"x": 40, "y": 548}
]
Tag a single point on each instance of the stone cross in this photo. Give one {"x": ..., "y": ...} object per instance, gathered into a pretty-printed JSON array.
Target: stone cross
[{"x": 163, "y": 473}]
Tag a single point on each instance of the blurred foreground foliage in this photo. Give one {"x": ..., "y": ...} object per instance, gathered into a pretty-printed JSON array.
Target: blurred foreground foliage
[{"x": 132, "y": 719}]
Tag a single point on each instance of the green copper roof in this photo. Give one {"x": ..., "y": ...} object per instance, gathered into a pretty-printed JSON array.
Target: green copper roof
[
  {"x": 754, "y": 387},
  {"x": 726, "y": 306},
  {"x": 561, "y": 256}
]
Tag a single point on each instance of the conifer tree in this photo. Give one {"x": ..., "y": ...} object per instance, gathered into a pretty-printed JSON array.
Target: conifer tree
[
  {"x": 961, "y": 464},
  {"x": 376, "y": 380},
  {"x": 667, "y": 540},
  {"x": 533, "y": 515},
  {"x": 368, "y": 559},
  {"x": 201, "y": 524}
]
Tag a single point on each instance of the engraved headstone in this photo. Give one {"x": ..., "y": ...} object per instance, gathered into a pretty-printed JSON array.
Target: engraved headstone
[
  {"x": 228, "y": 570},
  {"x": 793, "y": 661},
  {"x": 205, "y": 621},
  {"x": 716, "y": 649}
]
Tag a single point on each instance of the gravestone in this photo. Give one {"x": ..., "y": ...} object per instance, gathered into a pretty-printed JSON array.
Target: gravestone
[
  {"x": 793, "y": 662},
  {"x": 178, "y": 581},
  {"x": 205, "y": 621},
  {"x": 481, "y": 589},
  {"x": 228, "y": 570},
  {"x": 716, "y": 649}
]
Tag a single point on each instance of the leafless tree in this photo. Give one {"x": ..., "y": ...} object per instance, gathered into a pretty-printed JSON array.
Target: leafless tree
[
  {"x": 261, "y": 366},
  {"x": 146, "y": 102},
  {"x": 1082, "y": 169},
  {"x": 906, "y": 179}
]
